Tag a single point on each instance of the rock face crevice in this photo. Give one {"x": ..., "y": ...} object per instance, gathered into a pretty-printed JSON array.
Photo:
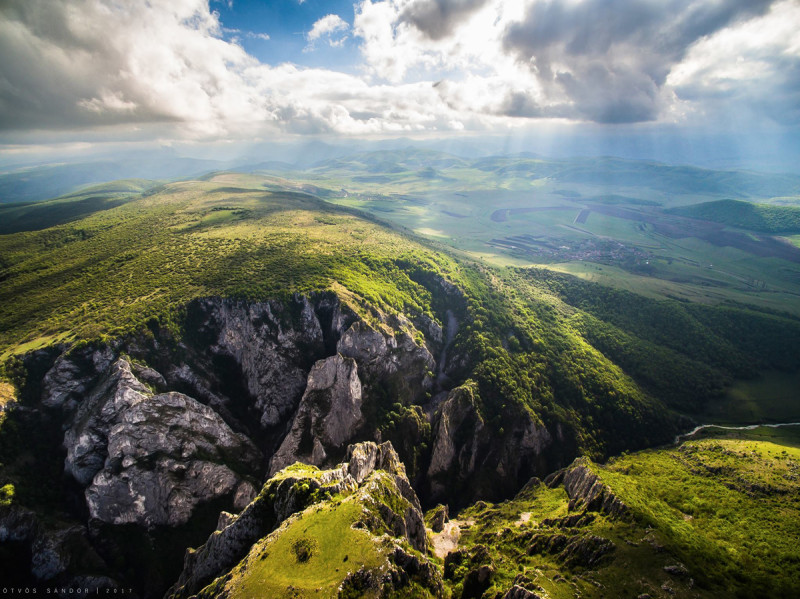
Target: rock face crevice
[
  {"x": 468, "y": 457},
  {"x": 273, "y": 345},
  {"x": 328, "y": 415}
]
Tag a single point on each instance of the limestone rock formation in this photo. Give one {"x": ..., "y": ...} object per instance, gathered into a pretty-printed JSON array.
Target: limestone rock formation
[
  {"x": 151, "y": 459},
  {"x": 72, "y": 375},
  {"x": 463, "y": 445},
  {"x": 394, "y": 361},
  {"x": 328, "y": 416},
  {"x": 272, "y": 342},
  {"x": 586, "y": 491}
]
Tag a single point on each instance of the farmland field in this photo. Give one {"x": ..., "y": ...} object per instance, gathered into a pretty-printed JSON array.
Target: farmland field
[{"x": 628, "y": 229}]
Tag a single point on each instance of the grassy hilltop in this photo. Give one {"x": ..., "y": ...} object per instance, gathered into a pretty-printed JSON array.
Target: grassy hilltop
[{"x": 715, "y": 517}]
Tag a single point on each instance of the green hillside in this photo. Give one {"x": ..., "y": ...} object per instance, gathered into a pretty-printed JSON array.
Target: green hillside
[
  {"x": 601, "y": 370},
  {"x": 532, "y": 338},
  {"x": 764, "y": 218},
  {"x": 42, "y": 215},
  {"x": 710, "y": 518},
  {"x": 603, "y": 219}
]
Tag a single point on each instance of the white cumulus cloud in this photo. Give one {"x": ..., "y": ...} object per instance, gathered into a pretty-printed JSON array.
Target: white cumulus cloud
[
  {"x": 331, "y": 27},
  {"x": 426, "y": 65}
]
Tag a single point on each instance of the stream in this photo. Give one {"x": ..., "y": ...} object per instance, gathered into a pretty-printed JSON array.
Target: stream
[{"x": 748, "y": 427}]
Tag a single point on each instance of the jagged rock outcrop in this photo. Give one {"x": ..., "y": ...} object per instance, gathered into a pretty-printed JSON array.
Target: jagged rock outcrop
[
  {"x": 586, "y": 491},
  {"x": 55, "y": 550},
  {"x": 402, "y": 570},
  {"x": 463, "y": 445},
  {"x": 524, "y": 588},
  {"x": 518, "y": 592},
  {"x": 292, "y": 490},
  {"x": 480, "y": 570},
  {"x": 578, "y": 550},
  {"x": 151, "y": 459},
  {"x": 328, "y": 416},
  {"x": 72, "y": 375},
  {"x": 393, "y": 361},
  {"x": 439, "y": 517}
]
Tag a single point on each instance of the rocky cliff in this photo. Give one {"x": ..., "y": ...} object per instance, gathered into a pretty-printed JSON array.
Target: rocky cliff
[
  {"x": 468, "y": 457},
  {"x": 586, "y": 491},
  {"x": 161, "y": 427},
  {"x": 150, "y": 459}
]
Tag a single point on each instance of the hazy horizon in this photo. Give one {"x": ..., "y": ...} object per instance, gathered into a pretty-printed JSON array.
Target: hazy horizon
[{"x": 712, "y": 84}]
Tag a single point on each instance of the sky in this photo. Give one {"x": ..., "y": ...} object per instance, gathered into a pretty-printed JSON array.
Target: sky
[{"x": 707, "y": 75}]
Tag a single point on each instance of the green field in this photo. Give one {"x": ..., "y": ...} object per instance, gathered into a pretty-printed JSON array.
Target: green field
[
  {"x": 625, "y": 219},
  {"x": 754, "y": 217}
]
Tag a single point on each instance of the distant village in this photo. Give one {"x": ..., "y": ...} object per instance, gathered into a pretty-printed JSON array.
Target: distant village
[{"x": 600, "y": 251}]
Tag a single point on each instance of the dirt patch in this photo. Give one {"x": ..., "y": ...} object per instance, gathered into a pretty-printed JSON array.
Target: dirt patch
[
  {"x": 524, "y": 518},
  {"x": 447, "y": 540}
]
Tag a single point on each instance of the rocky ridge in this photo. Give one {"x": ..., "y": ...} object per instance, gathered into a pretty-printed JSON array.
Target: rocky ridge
[
  {"x": 371, "y": 471},
  {"x": 586, "y": 491},
  {"x": 464, "y": 445},
  {"x": 150, "y": 459}
]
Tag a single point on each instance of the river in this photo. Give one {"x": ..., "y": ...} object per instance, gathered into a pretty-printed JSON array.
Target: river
[{"x": 748, "y": 427}]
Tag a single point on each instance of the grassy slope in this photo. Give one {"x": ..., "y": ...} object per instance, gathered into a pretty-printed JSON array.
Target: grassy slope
[
  {"x": 41, "y": 215},
  {"x": 312, "y": 552},
  {"x": 275, "y": 568},
  {"x": 112, "y": 271},
  {"x": 726, "y": 508}
]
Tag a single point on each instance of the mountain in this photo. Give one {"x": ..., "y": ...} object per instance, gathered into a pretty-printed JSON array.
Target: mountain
[
  {"x": 756, "y": 217},
  {"x": 168, "y": 355}
]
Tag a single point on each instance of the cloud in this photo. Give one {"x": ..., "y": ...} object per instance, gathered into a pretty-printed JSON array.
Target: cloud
[
  {"x": 169, "y": 68},
  {"x": 258, "y": 36},
  {"x": 610, "y": 59},
  {"x": 88, "y": 63},
  {"x": 752, "y": 68},
  {"x": 327, "y": 27},
  {"x": 438, "y": 18}
]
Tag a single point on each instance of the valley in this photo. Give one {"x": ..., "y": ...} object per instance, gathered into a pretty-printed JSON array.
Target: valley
[
  {"x": 171, "y": 352},
  {"x": 614, "y": 221}
]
